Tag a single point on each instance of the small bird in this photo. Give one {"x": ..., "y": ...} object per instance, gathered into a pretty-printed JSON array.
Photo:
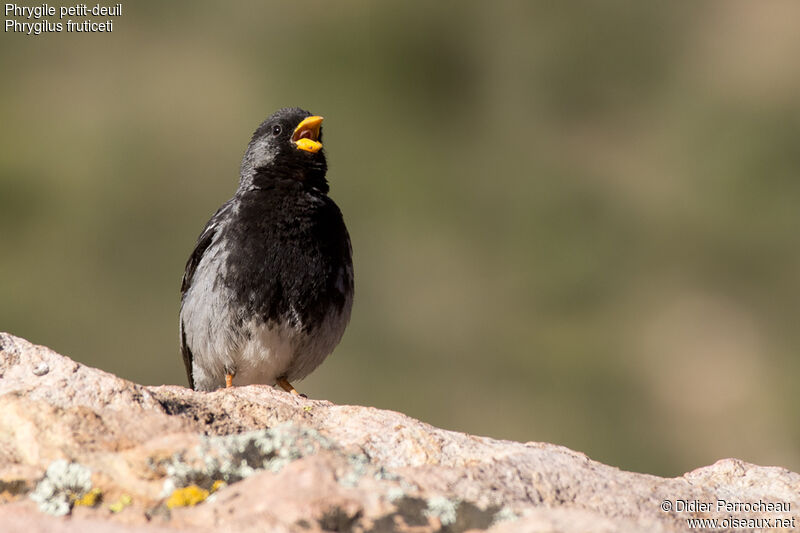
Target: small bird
[{"x": 267, "y": 291}]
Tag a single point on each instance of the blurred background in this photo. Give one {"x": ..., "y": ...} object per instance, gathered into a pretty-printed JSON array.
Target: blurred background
[{"x": 572, "y": 222}]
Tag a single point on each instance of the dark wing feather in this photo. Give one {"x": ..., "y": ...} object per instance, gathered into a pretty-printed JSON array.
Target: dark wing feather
[{"x": 203, "y": 242}]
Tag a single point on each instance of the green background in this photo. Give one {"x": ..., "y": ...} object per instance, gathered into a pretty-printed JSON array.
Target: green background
[{"x": 572, "y": 222}]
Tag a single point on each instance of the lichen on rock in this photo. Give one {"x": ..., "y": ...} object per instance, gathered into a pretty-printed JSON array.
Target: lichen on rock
[
  {"x": 442, "y": 508},
  {"x": 63, "y": 484},
  {"x": 186, "y": 497},
  {"x": 231, "y": 458}
]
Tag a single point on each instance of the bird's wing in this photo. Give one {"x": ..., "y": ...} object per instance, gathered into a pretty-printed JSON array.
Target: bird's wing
[{"x": 203, "y": 242}]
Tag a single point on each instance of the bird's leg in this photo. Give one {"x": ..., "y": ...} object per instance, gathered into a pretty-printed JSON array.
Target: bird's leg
[
  {"x": 285, "y": 385},
  {"x": 230, "y": 371}
]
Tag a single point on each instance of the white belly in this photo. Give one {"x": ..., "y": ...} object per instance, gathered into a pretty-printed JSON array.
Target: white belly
[{"x": 266, "y": 356}]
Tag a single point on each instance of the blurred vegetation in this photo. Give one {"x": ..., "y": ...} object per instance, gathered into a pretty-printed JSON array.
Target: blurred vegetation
[{"x": 572, "y": 222}]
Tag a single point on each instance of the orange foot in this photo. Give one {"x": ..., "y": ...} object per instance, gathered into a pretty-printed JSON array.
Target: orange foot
[
  {"x": 285, "y": 385},
  {"x": 228, "y": 381}
]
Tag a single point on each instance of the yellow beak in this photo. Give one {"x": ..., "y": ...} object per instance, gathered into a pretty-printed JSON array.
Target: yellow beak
[{"x": 306, "y": 135}]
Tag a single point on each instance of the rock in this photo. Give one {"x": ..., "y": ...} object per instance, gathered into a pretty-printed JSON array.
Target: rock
[{"x": 116, "y": 456}]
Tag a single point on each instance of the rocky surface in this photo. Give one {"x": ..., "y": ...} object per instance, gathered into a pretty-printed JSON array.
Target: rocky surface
[{"x": 83, "y": 451}]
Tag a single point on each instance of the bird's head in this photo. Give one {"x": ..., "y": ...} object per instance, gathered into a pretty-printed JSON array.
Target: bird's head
[{"x": 287, "y": 147}]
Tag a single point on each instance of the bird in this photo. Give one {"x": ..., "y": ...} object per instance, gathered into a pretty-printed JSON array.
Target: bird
[{"x": 267, "y": 292}]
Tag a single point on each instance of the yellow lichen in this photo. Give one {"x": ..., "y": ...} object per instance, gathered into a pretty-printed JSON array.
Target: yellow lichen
[
  {"x": 308, "y": 408},
  {"x": 90, "y": 499},
  {"x": 218, "y": 484},
  {"x": 186, "y": 497},
  {"x": 122, "y": 503}
]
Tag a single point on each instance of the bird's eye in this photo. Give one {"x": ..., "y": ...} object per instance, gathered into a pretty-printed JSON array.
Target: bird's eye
[{"x": 276, "y": 129}]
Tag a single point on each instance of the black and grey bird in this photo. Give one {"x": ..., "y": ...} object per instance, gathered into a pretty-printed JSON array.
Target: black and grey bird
[{"x": 268, "y": 289}]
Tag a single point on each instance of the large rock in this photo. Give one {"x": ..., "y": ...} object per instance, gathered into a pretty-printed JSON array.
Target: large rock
[{"x": 82, "y": 450}]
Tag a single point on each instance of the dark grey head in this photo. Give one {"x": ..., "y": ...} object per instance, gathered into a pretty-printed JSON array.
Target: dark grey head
[{"x": 286, "y": 146}]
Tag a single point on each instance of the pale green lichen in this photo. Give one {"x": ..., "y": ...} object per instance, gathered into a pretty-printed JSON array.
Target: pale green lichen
[
  {"x": 231, "y": 458},
  {"x": 504, "y": 515},
  {"x": 359, "y": 466},
  {"x": 395, "y": 493},
  {"x": 442, "y": 508},
  {"x": 63, "y": 484}
]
